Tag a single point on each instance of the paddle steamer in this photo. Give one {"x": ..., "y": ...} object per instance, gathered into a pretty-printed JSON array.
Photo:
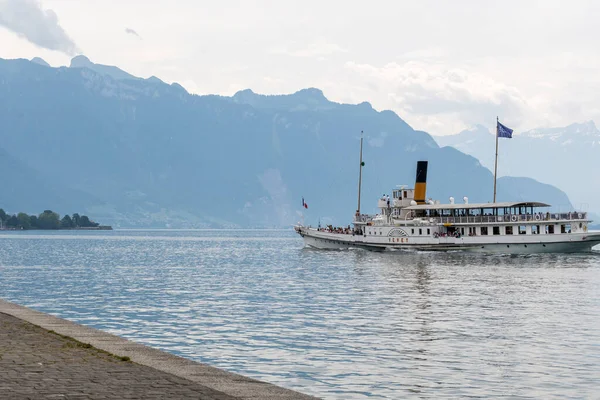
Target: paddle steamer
[{"x": 406, "y": 220}]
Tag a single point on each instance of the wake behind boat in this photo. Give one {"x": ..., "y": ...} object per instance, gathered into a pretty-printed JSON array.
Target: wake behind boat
[{"x": 408, "y": 221}]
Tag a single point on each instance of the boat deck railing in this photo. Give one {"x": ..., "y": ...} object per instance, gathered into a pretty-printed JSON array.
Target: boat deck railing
[
  {"x": 539, "y": 217},
  {"x": 479, "y": 219}
]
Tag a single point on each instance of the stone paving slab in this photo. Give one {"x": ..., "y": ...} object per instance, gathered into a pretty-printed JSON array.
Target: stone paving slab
[{"x": 45, "y": 357}]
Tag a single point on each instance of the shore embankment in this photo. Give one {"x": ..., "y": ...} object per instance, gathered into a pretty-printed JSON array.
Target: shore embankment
[{"x": 42, "y": 356}]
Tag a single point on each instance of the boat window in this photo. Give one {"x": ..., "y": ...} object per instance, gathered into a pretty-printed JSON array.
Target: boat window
[
  {"x": 429, "y": 231},
  {"x": 535, "y": 229},
  {"x": 563, "y": 228},
  {"x": 420, "y": 231},
  {"x": 568, "y": 228},
  {"x": 580, "y": 225},
  {"x": 496, "y": 230},
  {"x": 509, "y": 230},
  {"x": 484, "y": 230},
  {"x": 522, "y": 229},
  {"x": 462, "y": 231},
  {"x": 412, "y": 231},
  {"x": 550, "y": 229}
]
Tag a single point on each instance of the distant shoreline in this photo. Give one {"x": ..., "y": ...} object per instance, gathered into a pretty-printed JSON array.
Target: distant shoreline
[{"x": 87, "y": 228}]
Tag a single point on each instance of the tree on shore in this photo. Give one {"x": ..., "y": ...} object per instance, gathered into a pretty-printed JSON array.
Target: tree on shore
[
  {"x": 66, "y": 222},
  {"x": 84, "y": 222},
  {"x": 12, "y": 221},
  {"x": 75, "y": 220},
  {"x": 48, "y": 220},
  {"x": 24, "y": 221}
]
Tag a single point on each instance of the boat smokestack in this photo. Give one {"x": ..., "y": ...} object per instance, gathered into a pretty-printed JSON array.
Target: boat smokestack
[{"x": 421, "y": 182}]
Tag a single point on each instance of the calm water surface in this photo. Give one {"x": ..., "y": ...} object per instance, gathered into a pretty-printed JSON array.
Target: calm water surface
[{"x": 338, "y": 325}]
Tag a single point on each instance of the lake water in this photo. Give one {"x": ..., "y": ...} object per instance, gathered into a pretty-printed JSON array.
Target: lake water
[{"x": 335, "y": 324}]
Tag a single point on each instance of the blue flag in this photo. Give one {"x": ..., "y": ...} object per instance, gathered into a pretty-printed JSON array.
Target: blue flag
[{"x": 503, "y": 131}]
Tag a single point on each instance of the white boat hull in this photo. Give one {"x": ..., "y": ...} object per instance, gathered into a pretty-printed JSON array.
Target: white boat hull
[{"x": 564, "y": 243}]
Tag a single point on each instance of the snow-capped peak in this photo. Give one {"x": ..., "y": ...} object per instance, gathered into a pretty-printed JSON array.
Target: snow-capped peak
[{"x": 568, "y": 132}]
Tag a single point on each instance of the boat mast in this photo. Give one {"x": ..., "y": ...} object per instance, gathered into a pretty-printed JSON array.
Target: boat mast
[
  {"x": 360, "y": 173},
  {"x": 496, "y": 164}
]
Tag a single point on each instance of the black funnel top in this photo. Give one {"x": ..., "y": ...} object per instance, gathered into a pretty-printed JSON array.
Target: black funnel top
[{"x": 421, "y": 172}]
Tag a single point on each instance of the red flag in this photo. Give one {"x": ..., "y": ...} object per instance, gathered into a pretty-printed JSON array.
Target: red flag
[{"x": 305, "y": 205}]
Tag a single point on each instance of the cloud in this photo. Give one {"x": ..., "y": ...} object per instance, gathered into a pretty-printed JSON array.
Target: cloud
[
  {"x": 316, "y": 49},
  {"x": 433, "y": 93},
  {"x": 425, "y": 53},
  {"x": 28, "y": 20},
  {"x": 130, "y": 31}
]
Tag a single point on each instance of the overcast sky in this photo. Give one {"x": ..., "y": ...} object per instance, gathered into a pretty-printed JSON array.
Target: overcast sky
[{"x": 443, "y": 66}]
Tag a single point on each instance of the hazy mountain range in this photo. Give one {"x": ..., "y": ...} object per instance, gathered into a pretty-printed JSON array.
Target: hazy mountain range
[
  {"x": 566, "y": 157},
  {"x": 139, "y": 152}
]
